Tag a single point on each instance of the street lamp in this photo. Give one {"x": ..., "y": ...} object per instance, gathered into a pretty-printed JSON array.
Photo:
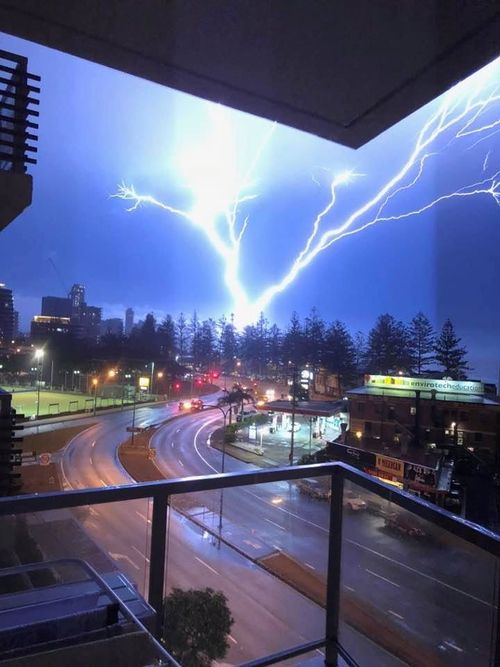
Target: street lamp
[
  {"x": 94, "y": 384},
  {"x": 221, "y": 503},
  {"x": 39, "y": 357}
]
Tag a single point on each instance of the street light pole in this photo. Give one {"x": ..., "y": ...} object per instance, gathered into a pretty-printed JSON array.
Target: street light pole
[
  {"x": 39, "y": 357},
  {"x": 292, "y": 435},
  {"x": 94, "y": 383},
  {"x": 221, "y": 501}
]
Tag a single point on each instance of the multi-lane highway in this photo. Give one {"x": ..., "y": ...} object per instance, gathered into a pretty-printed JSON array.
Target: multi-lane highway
[{"x": 430, "y": 587}]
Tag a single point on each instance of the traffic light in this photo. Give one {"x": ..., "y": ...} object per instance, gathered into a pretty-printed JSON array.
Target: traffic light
[{"x": 177, "y": 386}]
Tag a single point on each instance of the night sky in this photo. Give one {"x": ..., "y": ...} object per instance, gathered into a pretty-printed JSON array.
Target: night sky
[{"x": 99, "y": 127}]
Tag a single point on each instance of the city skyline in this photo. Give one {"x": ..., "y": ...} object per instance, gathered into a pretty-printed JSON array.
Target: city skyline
[{"x": 441, "y": 264}]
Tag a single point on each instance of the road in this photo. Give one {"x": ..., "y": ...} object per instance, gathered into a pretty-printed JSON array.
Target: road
[
  {"x": 433, "y": 586},
  {"x": 429, "y": 589}
]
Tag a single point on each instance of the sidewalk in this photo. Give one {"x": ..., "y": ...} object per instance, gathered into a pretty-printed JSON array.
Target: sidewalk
[{"x": 276, "y": 448}]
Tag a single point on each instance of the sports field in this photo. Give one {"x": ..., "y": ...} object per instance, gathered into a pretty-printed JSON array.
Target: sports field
[{"x": 55, "y": 402}]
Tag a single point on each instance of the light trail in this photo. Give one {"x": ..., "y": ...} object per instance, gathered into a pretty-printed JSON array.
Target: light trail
[{"x": 470, "y": 110}]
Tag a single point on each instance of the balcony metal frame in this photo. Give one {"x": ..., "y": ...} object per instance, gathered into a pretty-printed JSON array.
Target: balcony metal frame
[
  {"x": 17, "y": 98},
  {"x": 161, "y": 491}
]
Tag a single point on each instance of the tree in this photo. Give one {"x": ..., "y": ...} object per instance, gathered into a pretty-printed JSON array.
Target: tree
[
  {"x": 274, "y": 347},
  {"x": 182, "y": 334},
  {"x": 227, "y": 345},
  {"x": 360, "y": 350},
  {"x": 388, "y": 349},
  {"x": 166, "y": 337},
  {"x": 421, "y": 340},
  {"x": 340, "y": 353},
  {"x": 449, "y": 354},
  {"x": 293, "y": 342},
  {"x": 314, "y": 338},
  {"x": 197, "y": 624}
]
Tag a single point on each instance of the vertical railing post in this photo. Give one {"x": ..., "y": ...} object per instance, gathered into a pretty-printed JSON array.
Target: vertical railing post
[
  {"x": 157, "y": 565},
  {"x": 333, "y": 572}
]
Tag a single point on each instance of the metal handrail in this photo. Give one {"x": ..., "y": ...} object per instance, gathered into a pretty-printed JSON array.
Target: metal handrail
[
  {"x": 161, "y": 491},
  {"x": 466, "y": 530}
]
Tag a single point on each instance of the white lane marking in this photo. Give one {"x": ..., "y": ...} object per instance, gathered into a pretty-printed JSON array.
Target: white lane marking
[
  {"x": 93, "y": 511},
  {"x": 143, "y": 517},
  {"x": 196, "y": 444},
  {"x": 232, "y": 639},
  {"x": 178, "y": 430},
  {"x": 274, "y": 523},
  {"x": 116, "y": 556},
  {"x": 422, "y": 574},
  {"x": 102, "y": 482},
  {"x": 91, "y": 461},
  {"x": 172, "y": 443},
  {"x": 452, "y": 645},
  {"x": 381, "y": 577},
  {"x": 93, "y": 444},
  {"x": 206, "y": 565},
  {"x": 349, "y": 588},
  {"x": 182, "y": 464},
  {"x": 401, "y": 618},
  {"x": 140, "y": 554},
  {"x": 311, "y": 567}
]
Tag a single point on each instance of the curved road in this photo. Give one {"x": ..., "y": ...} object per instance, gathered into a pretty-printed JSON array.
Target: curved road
[
  {"x": 417, "y": 585},
  {"x": 432, "y": 586}
]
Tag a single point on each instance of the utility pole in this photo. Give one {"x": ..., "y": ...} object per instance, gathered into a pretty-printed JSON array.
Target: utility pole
[{"x": 294, "y": 405}]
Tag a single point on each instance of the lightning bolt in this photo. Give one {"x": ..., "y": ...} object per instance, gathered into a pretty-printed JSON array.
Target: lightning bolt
[{"x": 469, "y": 110}]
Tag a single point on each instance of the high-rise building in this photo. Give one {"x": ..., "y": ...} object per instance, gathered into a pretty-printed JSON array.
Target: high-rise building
[
  {"x": 6, "y": 314},
  {"x": 77, "y": 296},
  {"x": 129, "y": 321},
  {"x": 87, "y": 322},
  {"x": 16, "y": 323},
  {"x": 56, "y": 306}
]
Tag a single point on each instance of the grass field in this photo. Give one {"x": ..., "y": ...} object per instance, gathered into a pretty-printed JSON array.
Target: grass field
[{"x": 55, "y": 402}]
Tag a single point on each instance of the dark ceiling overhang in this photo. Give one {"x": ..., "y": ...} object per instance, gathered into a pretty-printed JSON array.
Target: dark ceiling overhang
[{"x": 345, "y": 70}]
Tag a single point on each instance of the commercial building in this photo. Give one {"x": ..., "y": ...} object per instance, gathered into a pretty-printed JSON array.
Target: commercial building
[
  {"x": 45, "y": 328},
  {"x": 87, "y": 322},
  {"x": 425, "y": 413},
  {"x": 56, "y": 306},
  {"x": 6, "y": 314}
]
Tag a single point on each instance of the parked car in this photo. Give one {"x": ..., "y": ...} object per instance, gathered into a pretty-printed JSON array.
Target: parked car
[
  {"x": 245, "y": 414},
  {"x": 403, "y": 524}
]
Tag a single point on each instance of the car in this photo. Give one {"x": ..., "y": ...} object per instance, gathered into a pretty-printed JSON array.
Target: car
[
  {"x": 184, "y": 406},
  {"x": 196, "y": 404},
  {"x": 403, "y": 524},
  {"x": 353, "y": 502}
]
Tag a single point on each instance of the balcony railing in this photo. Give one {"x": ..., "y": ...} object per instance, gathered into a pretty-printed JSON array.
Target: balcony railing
[
  {"x": 410, "y": 584},
  {"x": 17, "y": 99}
]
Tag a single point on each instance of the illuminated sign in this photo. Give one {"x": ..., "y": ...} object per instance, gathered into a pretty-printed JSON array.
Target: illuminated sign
[
  {"x": 425, "y": 384},
  {"x": 391, "y": 466},
  {"x": 144, "y": 383}
]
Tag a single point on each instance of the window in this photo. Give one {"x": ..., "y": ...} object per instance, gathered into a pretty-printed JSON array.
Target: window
[
  {"x": 361, "y": 408},
  {"x": 368, "y": 427},
  {"x": 392, "y": 413},
  {"x": 478, "y": 437},
  {"x": 464, "y": 416}
]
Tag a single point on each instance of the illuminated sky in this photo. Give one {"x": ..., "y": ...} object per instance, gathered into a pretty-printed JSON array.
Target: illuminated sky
[{"x": 111, "y": 128}]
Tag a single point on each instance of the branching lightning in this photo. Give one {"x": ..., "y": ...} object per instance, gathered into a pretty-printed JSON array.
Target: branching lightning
[{"x": 470, "y": 110}]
